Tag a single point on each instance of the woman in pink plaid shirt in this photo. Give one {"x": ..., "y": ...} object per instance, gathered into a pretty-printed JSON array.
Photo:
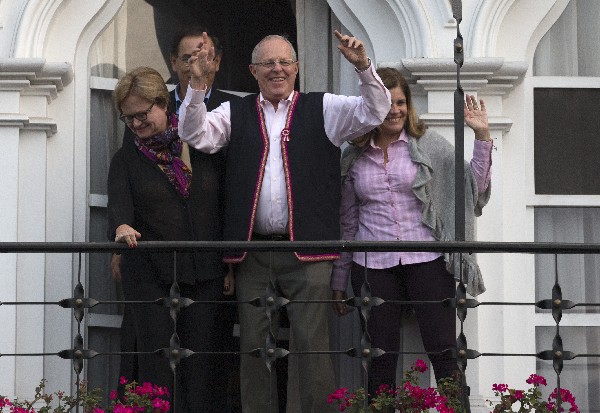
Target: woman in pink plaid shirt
[{"x": 398, "y": 184}]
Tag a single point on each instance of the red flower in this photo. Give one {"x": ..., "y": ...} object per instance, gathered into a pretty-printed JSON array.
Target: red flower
[
  {"x": 161, "y": 405},
  {"x": 123, "y": 380},
  {"x": 382, "y": 388},
  {"x": 337, "y": 395},
  {"x": 500, "y": 388},
  {"x": 566, "y": 396},
  {"x": 420, "y": 366},
  {"x": 536, "y": 380}
]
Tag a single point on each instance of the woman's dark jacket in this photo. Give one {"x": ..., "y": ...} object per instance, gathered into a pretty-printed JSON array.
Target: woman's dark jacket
[{"x": 140, "y": 195}]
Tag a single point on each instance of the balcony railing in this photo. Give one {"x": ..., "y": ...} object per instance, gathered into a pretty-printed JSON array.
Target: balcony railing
[{"x": 80, "y": 302}]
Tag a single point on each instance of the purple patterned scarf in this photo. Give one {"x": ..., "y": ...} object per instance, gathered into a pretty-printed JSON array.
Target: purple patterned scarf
[{"x": 165, "y": 151}]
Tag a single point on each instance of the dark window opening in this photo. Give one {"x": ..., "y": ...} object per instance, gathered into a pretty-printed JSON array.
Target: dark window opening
[{"x": 567, "y": 141}]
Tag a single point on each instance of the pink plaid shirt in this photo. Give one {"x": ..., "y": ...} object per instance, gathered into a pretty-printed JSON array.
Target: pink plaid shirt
[{"x": 378, "y": 204}]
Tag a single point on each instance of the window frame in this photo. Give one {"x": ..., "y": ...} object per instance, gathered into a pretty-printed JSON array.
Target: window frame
[{"x": 534, "y": 200}]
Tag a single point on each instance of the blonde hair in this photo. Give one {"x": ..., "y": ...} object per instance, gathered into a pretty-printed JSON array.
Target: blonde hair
[
  {"x": 143, "y": 82},
  {"x": 414, "y": 126}
]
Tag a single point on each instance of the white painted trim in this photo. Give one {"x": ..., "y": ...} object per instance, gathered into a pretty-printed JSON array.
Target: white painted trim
[
  {"x": 558, "y": 82},
  {"x": 543, "y": 27},
  {"x": 447, "y": 119},
  {"x": 571, "y": 201},
  {"x": 102, "y": 83},
  {"x": 35, "y": 76},
  {"x": 555, "y": 82},
  {"x": 34, "y": 21},
  {"x": 482, "y": 34},
  {"x": 109, "y": 83}
]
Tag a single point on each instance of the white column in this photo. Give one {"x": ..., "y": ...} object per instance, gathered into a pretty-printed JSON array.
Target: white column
[
  {"x": 27, "y": 86},
  {"x": 9, "y": 139}
]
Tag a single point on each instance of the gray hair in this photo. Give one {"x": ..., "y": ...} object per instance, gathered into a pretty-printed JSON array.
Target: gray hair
[{"x": 256, "y": 50}]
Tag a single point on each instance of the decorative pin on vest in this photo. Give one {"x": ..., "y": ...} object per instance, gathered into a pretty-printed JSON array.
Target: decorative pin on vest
[{"x": 285, "y": 132}]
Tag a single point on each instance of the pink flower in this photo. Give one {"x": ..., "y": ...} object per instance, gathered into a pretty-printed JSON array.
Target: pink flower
[
  {"x": 119, "y": 408},
  {"x": 123, "y": 380},
  {"x": 5, "y": 402},
  {"x": 519, "y": 394},
  {"x": 146, "y": 388},
  {"x": 113, "y": 394},
  {"x": 442, "y": 408},
  {"x": 566, "y": 396},
  {"x": 97, "y": 410},
  {"x": 536, "y": 380},
  {"x": 160, "y": 404},
  {"x": 161, "y": 391},
  {"x": 500, "y": 388},
  {"x": 382, "y": 388},
  {"x": 337, "y": 395},
  {"x": 420, "y": 366}
]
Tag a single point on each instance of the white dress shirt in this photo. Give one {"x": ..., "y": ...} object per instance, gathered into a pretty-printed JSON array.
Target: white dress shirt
[{"x": 346, "y": 117}]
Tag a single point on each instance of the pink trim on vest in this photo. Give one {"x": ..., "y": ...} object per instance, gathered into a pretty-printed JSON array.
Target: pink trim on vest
[
  {"x": 236, "y": 259},
  {"x": 286, "y": 166}
]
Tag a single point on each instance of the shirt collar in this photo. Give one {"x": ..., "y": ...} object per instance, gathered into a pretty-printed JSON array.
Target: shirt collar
[
  {"x": 403, "y": 137},
  {"x": 263, "y": 101},
  {"x": 177, "y": 98}
]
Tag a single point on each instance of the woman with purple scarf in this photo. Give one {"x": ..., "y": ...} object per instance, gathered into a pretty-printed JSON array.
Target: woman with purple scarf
[{"x": 153, "y": 195}]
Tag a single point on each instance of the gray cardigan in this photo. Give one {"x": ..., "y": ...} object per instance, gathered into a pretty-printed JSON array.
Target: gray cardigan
[{"x": 434, "y": 153}]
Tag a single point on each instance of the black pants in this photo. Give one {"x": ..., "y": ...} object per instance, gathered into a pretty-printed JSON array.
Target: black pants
[
  {"x": 199, "y": 384},
  {"x": 426, "y": 281}
]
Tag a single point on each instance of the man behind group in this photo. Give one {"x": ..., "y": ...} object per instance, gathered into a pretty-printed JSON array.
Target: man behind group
[
  {"x": 282, "y": 182},
  {"x": 183, "y": 45}
]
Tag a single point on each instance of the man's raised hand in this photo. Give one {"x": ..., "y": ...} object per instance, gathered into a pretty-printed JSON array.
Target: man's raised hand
[
  {"x": 353, "y": 50},
  {"x": 202, "y": 63}
]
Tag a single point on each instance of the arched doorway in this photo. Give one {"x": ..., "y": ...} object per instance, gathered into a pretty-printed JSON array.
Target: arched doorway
[{"x": 238, "y": 24}]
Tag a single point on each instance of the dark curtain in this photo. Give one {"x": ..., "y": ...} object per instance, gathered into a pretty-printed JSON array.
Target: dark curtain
[{"x": 238, "y": 24}]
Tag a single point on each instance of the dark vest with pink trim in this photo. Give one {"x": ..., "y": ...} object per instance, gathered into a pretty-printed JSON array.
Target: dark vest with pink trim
[{"x": 311, "y": 162}]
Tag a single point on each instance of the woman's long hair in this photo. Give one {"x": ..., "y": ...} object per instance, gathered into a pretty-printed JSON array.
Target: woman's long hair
[{"x": 414, "y": 126}]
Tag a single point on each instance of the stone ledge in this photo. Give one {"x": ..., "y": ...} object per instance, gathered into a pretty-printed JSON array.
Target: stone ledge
[
  {"x": 490, "y": 75},
  {"x": 35, "y": 76},
  {"x": 447, "y": 119},
  {"x": 20, "y": 121}
]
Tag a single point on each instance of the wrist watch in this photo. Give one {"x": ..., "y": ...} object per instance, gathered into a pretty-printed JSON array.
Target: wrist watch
[{"x": 368, "y": 66}]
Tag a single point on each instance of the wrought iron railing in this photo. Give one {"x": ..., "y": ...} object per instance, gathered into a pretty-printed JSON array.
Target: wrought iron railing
[{"x": 80, "y": 302}]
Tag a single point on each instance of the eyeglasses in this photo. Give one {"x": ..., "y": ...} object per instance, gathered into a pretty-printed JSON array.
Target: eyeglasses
[
  {"x": 141, "y": 116},
  {"x": 184, "y": 59},
  {"x": 270, "y": 64}
]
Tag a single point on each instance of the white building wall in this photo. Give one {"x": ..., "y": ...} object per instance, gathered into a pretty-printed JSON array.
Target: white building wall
[
  {"x": 44, "y": 95},
  {"x": 44, "y": 123}
]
